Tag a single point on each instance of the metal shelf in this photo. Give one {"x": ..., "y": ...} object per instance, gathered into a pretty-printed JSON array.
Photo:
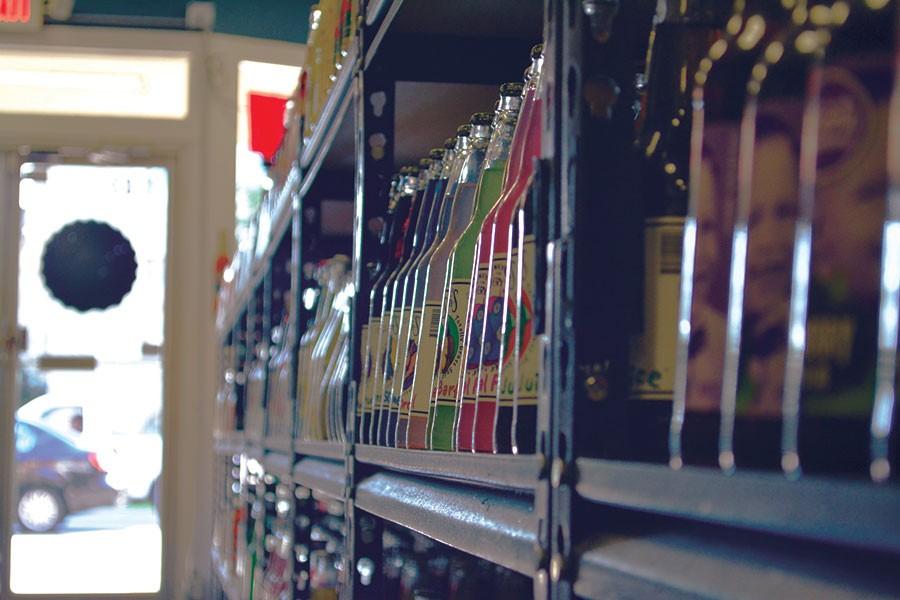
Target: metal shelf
[
  {"x": 856, "y": 513},
  {"x": 499, "y": 527},
  {"x": 229, "y": 443},
  {"x": 324, "y": 476},
  {"x": 279, "y": 445},
  {"x": 332, "y": 450},
  {"x": 279, "y": 464},
  {"x": 493, "y": 470},
  {"x": 675, "y": 565}
]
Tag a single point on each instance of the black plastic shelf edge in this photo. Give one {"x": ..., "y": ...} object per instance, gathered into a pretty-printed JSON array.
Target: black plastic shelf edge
[
  {"x": 324, "y": 476},
  {"x": 493, "y": 470},
  {"x": 389, "y": 14},
  {"x": 498, "y": 527},
  {"x": 673, "y": 565},
  {"x": 860, "y": 514}
]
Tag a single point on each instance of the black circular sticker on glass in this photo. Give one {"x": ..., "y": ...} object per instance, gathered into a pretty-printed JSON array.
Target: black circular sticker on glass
[{"x": 88, "y": 264}]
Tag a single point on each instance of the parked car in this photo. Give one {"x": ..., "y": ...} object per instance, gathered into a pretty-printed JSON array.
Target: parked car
[
  {"x": 132, "y": 457},
  {"x": 56, "y": 478}
]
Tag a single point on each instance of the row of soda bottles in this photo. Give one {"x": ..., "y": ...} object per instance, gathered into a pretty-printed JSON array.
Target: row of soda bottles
[
  {"x": 765, "y": 170},
  {"x": 766, "y": 148},
  {"x": 448, "y": 357}
]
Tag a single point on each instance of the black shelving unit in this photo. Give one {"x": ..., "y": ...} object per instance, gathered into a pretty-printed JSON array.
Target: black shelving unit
[{"x": 579, "y": 526}]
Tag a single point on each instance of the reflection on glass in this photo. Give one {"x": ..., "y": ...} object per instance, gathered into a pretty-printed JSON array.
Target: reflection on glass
[{"x": 88, "y": 420}]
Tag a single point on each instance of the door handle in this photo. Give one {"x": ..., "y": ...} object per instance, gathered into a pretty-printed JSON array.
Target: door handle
[{"x": 16, "y": 342}]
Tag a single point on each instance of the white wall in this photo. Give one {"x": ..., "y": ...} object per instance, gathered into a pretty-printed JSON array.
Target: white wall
[{"x": 200, "y": 153}]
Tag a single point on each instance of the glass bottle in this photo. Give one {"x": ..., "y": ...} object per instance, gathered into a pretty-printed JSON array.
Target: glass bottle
[
  {"x": 497, "y": 193},
  {"x": 836, "y": 404},
  {"x": 885, "y": 444},
  {"x": 436, "y": 344},
  {"x": 458, "y": 202},
  {"x": 497, "y": 405},
  {"x": 417, "y": 280},
  {"x": 403, "y": 376},
  {"x": 762, "y": 245},
  {"x": 718, "y": 101},
  {"x": 403, "y": 202},
  {"x": 385, "y": 230},
  {"x": 682, "y": 35},
  {"x": 425, "y": 200},
  {"x": 404, "y": 199},
  {"x": 384, "y": 352},
  {"x": 456, "y": 294}
]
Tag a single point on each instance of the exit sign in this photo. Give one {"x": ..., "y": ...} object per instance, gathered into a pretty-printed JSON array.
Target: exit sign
[{"x": 21, "y": 15}]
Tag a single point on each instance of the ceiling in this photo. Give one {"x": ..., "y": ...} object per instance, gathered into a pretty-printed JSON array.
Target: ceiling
[{"x": 285, "y": 20}]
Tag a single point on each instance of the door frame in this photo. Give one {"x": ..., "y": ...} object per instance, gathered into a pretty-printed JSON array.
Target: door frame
[
  {"x": 10, "y": 231},
  {"x": 9, "y": 309}
]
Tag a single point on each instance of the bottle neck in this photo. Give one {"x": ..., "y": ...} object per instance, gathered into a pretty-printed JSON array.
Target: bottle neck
[
  {"x": 691, "y": 12},
  {"x": 679, "y": 44},
  {"x": 447, "y": 163},
  {"x": 766, "y": 8},
  {"x": 501, "y": 140},
  {"x": 533, "y": 84}
]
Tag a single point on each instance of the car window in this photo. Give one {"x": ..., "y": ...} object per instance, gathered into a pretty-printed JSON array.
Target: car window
[{"x": 26, "y": 438}]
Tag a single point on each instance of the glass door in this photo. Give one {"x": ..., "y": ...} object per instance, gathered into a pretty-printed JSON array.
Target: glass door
[{"x": 87, "y": 439}]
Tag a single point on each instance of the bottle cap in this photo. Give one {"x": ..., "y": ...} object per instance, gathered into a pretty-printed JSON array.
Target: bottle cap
[
  {"x": 436, "y": 154},
  {"x": 537, "y": 50},
  {"x": 464, "y": 131},
  {"x": 424, "y": 164},
  {"x": 450, "y": 143},
  {"x": 511, "y": 89},
  {"x": 482, "y": 118}
]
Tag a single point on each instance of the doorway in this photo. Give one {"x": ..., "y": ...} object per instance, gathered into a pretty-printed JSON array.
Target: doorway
[{"x": 87, "y": 466}]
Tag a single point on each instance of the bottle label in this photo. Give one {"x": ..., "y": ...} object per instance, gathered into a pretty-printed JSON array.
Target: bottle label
[
  {"x": 392, "y": 356},
  {"x": 848, "y": 216},
  {"x": 451, "y": 357},
  {"x": 495, "y": 348},
  {"x": 366, "y": 368},
  {"x": 713, "y": 215},
  {"x": 375, "y": 363},
  {"x": 770, "y": 222},
  {"x": 425, "y": 364},
  {"x": 400, "y": 364},
  {"x": 653, "y": 353},
  {"x": 414, "y": 322},
  {"x": 475, "y": 329},
  {"x": 529, "y": 355}
]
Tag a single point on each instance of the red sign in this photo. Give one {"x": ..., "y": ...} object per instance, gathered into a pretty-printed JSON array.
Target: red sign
[{"x": 20, "y": 14}]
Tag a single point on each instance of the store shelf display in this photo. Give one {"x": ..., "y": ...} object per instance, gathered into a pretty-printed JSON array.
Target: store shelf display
[{"x": 552, "y": 340}]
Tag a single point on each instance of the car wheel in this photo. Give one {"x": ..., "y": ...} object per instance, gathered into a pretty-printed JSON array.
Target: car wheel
[{"x": 40, "y": 509}]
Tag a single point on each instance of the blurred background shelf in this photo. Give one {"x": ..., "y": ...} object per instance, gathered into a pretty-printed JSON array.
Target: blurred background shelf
[
  {"x": 229, "y": 443},
  {"x": 857, "y": 513},
  {"x": 673, "y": 564},
  {"x": 331, "y": 450},
  {"x": 280, "y": 465},
  {"x": 324, "y": 476}
]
